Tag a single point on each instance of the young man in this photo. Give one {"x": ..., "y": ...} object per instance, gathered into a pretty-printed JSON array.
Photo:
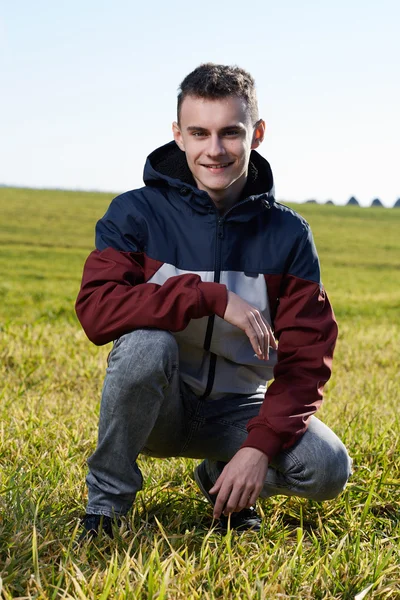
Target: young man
[{"x": 193, "y": 278}]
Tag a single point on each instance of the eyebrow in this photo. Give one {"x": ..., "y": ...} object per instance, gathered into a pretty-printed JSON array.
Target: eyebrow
[{"x": 227, "y": 128}]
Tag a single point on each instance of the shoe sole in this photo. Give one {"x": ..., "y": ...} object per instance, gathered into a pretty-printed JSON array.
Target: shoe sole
[{"x": 200, "y": 484}]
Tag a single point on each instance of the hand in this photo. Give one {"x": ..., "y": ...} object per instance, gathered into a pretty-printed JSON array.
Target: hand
[
  {"x": 241, "y": 481},
  {"x": 240, "y": 313}
]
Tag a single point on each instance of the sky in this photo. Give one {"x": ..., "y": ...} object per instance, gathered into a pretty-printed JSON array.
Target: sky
[{"x": 88, "y": 89}]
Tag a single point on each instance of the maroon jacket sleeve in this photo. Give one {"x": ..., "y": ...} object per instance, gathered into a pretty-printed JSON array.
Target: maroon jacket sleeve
[
  {"x": 307, "y": 331},
  {"x": 114, "y": 297}
]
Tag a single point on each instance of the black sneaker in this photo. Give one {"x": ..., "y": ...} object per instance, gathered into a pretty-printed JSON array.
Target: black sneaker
[
  {"x": 94, "y": 524},
  {"x": 246, "y": 519}
]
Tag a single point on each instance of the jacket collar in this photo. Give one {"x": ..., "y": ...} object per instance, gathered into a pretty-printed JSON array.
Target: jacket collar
[{"x": 167, "y": 165}]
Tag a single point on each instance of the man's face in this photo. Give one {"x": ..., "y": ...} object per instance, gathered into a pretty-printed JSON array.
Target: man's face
[{"x": 217, "y": 137}]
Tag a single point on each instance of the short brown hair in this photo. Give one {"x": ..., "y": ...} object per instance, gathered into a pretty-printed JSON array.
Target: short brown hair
[{"x": 219, "y": 81}]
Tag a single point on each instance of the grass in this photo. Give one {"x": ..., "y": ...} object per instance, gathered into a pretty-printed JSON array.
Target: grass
[{"x": 51, "y": 382}]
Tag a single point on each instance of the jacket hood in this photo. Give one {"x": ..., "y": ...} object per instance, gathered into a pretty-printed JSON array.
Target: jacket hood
[{"x": 167, "y": 165}]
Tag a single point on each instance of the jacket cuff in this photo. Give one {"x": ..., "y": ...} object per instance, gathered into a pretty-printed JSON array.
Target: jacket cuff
[
  {"x": 214, "y": 298},
  {"x": 265, "y": 439}
]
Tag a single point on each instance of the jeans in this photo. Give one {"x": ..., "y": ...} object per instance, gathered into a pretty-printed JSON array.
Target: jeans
[{"x": 146, "y": 408}]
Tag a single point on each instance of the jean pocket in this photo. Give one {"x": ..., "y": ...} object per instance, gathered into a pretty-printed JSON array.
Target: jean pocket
[{"x": 115, "y": 343}]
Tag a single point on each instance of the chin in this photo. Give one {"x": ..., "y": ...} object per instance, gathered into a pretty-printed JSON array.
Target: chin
[
  {"x": 219, "y": 189},
  {"x": 220, "y": 183}
]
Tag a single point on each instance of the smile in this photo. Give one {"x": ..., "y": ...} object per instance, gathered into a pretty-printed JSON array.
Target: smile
[{"x": 218, "y": 166}]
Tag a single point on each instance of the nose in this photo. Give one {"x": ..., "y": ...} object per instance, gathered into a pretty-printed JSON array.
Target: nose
[{"x": 216, "y": 146}]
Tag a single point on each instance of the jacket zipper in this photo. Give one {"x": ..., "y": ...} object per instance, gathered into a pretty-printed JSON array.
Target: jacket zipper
[
  {"x": 211, "y": 320},
  {"x": 217, "y": 277},
  {"x": 210, "y": 324}
]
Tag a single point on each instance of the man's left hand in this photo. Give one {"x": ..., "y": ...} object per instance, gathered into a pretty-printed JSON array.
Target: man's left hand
[{"x": 241, "y": 481}]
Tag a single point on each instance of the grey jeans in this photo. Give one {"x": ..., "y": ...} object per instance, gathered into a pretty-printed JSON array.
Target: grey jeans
[{"x": 146, "y": 408}]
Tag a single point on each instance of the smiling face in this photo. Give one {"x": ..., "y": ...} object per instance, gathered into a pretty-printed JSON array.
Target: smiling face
[{"x": 217, "y": 136}]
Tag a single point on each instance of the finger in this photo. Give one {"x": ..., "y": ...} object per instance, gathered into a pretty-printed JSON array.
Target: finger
[
  {"x": 265, "y": 335},
  {"x": 232, "y": 502},
  {"x": 252, "y": 335},
  {"x": 271, "y": 340},
  {"x": 261, "y": 332},
  {"x": 252, "y": 499},
  {"x": 216, "y": 487},
  {"x": 257, "y": 334},
  {"x": 244, "y": 501},
  {"x": 221, "y": 500}
]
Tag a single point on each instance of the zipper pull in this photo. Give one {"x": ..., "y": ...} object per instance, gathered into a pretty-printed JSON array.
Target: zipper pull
[{"x": 220, "y": 228}]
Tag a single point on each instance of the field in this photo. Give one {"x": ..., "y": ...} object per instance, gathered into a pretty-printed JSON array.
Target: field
[{"x": 51, "y": 379}]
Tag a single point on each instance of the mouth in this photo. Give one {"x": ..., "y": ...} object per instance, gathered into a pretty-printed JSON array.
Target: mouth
[{"x": 218, "y": 167}]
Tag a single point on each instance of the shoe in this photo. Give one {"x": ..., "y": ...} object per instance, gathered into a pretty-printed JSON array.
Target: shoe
[
  {"x": 93, "y": 524},
  {"x": 246, "y": 519}
]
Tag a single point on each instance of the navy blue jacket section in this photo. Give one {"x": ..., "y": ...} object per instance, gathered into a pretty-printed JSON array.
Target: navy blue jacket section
[{"x": 165, "y": 258}]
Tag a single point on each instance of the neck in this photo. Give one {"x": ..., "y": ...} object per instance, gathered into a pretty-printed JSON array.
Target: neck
[{"x": 225, "y": 199}]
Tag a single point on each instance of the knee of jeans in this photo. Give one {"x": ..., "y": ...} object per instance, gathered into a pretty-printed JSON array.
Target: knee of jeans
[
  {"x": 334, "y": 473},
  {"x": 144, "y": 352}
]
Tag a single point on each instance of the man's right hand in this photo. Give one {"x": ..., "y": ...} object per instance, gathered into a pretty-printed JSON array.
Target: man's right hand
[{"x": 249, "y": 319}]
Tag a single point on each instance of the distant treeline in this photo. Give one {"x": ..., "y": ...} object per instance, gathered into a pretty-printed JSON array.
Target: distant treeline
[
  {"x": 351, "y": 201},
  {"x": 354, "y": 202}
]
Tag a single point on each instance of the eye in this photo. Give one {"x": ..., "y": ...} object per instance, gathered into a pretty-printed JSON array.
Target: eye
[
  {"x": 199, "y": 134},
  {"x": 232, "y": 132}
]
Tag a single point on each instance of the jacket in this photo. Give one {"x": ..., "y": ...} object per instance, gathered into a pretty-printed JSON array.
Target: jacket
[{"x": 165, "y": 259}]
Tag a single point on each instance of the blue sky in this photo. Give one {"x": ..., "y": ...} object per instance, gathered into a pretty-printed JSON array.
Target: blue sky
[{"x": 89, "y": 89}]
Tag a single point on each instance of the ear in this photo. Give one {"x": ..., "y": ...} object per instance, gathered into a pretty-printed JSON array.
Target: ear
[
  {"x": 258, "y": 134},
  {"x": 176, "y": 131}
]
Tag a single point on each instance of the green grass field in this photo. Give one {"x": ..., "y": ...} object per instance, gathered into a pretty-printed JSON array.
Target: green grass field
[{"x": 51, "y": 380}]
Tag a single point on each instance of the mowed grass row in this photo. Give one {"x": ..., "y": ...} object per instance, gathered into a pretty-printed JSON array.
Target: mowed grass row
[{"x": 51, "y": 383}]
